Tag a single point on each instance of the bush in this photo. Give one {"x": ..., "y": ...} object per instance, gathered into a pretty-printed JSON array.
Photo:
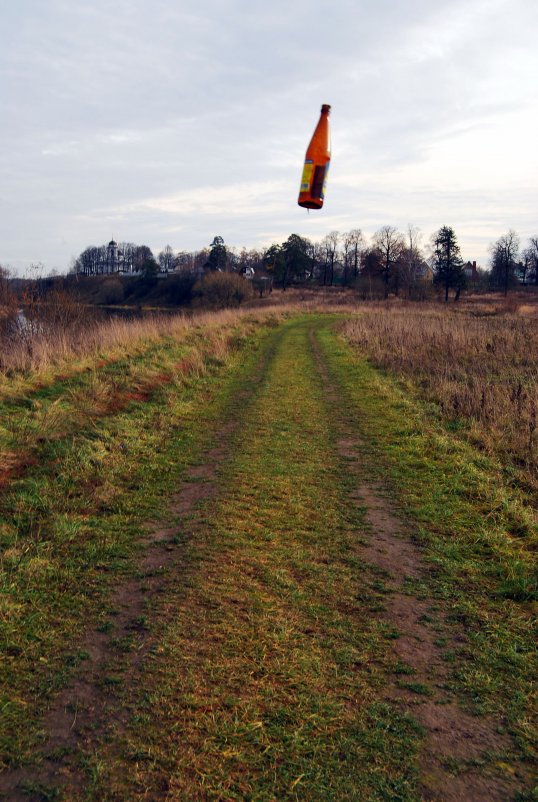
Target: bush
[
  {"x": 8, "y": 304},
  {"x": 370, "y": 288},
  {"x": 174, "y": 290},
  {"x": 221, "y": 290},
  {"x": 110, "y": 291}
]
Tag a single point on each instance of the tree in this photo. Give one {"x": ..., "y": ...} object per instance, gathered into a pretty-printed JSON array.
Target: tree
[
  {"x": 218, "y": 255},
  {"x": 296, "y": 259},
  {"x": 413, "y": 268},
  {"x": 92, "y": 261},
  {"x": 7, "y": 298},
  {"x": 504, "y": 255},
  {"x": 252, "y": 259},
  {"x": 317, "y": 260},
  {"x": 145, "y": 263},
  {"x": 531, "y": 254},
  {"x": 447, "y": 262},
  {"x": 370, "y": 281},
  {"x": 330, "y": 249},
  {"x": 273, "y": 261},
  {"x": 525, "y": 267},
  {"x": 166, "y": 259},
  {"x": 352, "y": 245},
  {"x": 220, "y": 290},
  {"x": 128, "y": 251},
  {"x": 389, "y": 243}
]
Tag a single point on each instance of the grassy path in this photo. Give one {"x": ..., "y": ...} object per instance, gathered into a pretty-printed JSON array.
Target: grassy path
[{"x": 300, "y": 642}]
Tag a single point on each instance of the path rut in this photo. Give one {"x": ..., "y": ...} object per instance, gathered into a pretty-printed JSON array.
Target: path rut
[
  {"x": 452, "y": 735},
  {"x": 87, "y": 707},
  {"x": 456, "y": 757}
]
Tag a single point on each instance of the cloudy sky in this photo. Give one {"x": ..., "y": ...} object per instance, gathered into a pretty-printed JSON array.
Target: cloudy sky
[{"x": 171, "y": 121}]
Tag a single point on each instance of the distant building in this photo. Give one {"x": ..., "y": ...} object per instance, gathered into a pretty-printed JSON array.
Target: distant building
[
  {"x": 471, "y": 273},
  {"x": 424, "y": 272},
  {"x": 113, "y": 257}
]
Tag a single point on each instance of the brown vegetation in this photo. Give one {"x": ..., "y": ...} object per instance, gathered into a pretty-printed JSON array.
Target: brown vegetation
[
  {"x": 221, "y": 291},
  {"x": 50, "y": 337},
  {"x": 479, "y": 364},
  {"x": 8, "y": 303}
]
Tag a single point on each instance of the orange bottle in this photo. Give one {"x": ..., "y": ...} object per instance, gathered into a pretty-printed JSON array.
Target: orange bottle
[{"x": 316, "y": 165}]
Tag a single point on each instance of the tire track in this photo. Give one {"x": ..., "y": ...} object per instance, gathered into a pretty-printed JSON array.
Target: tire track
[
  {"x": 452, "y": 736},
  {"x": 89, "y": 707}
]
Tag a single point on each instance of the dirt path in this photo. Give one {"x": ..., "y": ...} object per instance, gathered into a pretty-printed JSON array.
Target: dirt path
[
  {"x": 452, "y": 736},
  {"x": 272, "y": 646},
  {"x": 88, "y": 704}
]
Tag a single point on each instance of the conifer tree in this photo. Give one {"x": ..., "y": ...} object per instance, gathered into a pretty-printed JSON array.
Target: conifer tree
[{"x": 447, "y": 262}]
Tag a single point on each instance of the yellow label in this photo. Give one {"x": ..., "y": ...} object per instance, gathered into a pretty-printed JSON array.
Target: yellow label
[{"x": 307, "y": 176}]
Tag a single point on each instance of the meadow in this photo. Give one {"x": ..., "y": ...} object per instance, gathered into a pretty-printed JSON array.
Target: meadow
[
  {"x": 477, "y": 362},
  {"x": 284, "y": 552}
]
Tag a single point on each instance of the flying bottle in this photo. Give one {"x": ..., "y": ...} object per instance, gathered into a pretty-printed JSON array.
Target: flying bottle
[{"x": 316, "y": 164}]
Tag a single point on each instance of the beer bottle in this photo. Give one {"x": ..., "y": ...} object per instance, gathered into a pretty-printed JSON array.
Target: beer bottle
[{"x": 316, "y": 165}]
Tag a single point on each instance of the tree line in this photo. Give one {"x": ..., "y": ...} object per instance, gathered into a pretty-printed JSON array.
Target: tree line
[{"x": 392, "y": 262}]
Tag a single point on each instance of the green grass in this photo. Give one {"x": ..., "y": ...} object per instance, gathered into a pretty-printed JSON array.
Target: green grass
[
  {"x": 478, "y": 533},
  {"x": 71, "y": 525},
  {"x": 266, "y": 679},
  {"x": 270, "y": 656}
]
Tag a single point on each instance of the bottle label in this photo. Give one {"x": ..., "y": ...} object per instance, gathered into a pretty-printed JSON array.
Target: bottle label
[
  {"x": 318, "y": 184},
  {"x": 307, "y": 175}
]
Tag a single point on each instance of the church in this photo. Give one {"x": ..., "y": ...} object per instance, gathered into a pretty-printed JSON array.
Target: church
[{"x": 114, "y": 258}]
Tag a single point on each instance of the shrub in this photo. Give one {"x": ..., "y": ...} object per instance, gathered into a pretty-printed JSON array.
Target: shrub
[
  {"x": 8, "y": 303},
  {"x": 174, "y": 290},
  {"x": 221, "y": 290},
  {"x": 110, "y": 292}
]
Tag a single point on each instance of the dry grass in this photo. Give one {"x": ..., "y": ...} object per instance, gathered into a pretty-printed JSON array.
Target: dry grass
[
  {"x": 62, "y": 337},
  {"x": 480, "y": 366},
  {"x": 42, "y": 351}
]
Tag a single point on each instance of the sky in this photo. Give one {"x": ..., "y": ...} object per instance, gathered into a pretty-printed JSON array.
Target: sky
[{"x": 172, "y": 121}]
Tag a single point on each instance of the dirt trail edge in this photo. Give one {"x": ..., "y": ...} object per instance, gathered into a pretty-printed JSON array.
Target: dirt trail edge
[{"x": 451, "y": 735}]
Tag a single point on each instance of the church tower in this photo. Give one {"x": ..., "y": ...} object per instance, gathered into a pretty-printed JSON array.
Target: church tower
[{"x": 112, "y": 257}]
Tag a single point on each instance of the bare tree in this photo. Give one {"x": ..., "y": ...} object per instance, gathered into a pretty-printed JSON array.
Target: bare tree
[
  {"x": 92, "y": 261},
  {"x": 504, "y": 255},
  {"x": 128, "y": 251},
  {"x": 389, "y": 242},
  {"x": 532, "y": 254},
  {"x": 317, "y": 260},
  {"x": 412, "y": 265},
  {"x": 352, "y": 246},
  {"x": 526, "y": 266},
  {"x": 7, "y": 298},
  {"x": 166, "y": 259},
  {"x": 330, "y": 248}
]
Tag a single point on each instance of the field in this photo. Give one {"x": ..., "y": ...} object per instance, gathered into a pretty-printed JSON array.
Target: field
[{"x": 283, "y": 553}]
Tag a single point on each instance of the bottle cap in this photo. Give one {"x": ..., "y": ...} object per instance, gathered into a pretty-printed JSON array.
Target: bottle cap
[{"x": 325, "y": 108}]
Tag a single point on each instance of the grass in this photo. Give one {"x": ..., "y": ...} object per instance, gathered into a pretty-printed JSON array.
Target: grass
[
  {"x": 99, "y": 451},
  {"x": 478, "y": 533},
  {"x": 264, "y": 679},
  {"x": 269, "y": 655},
  {"x": 480, "y": 370}
]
